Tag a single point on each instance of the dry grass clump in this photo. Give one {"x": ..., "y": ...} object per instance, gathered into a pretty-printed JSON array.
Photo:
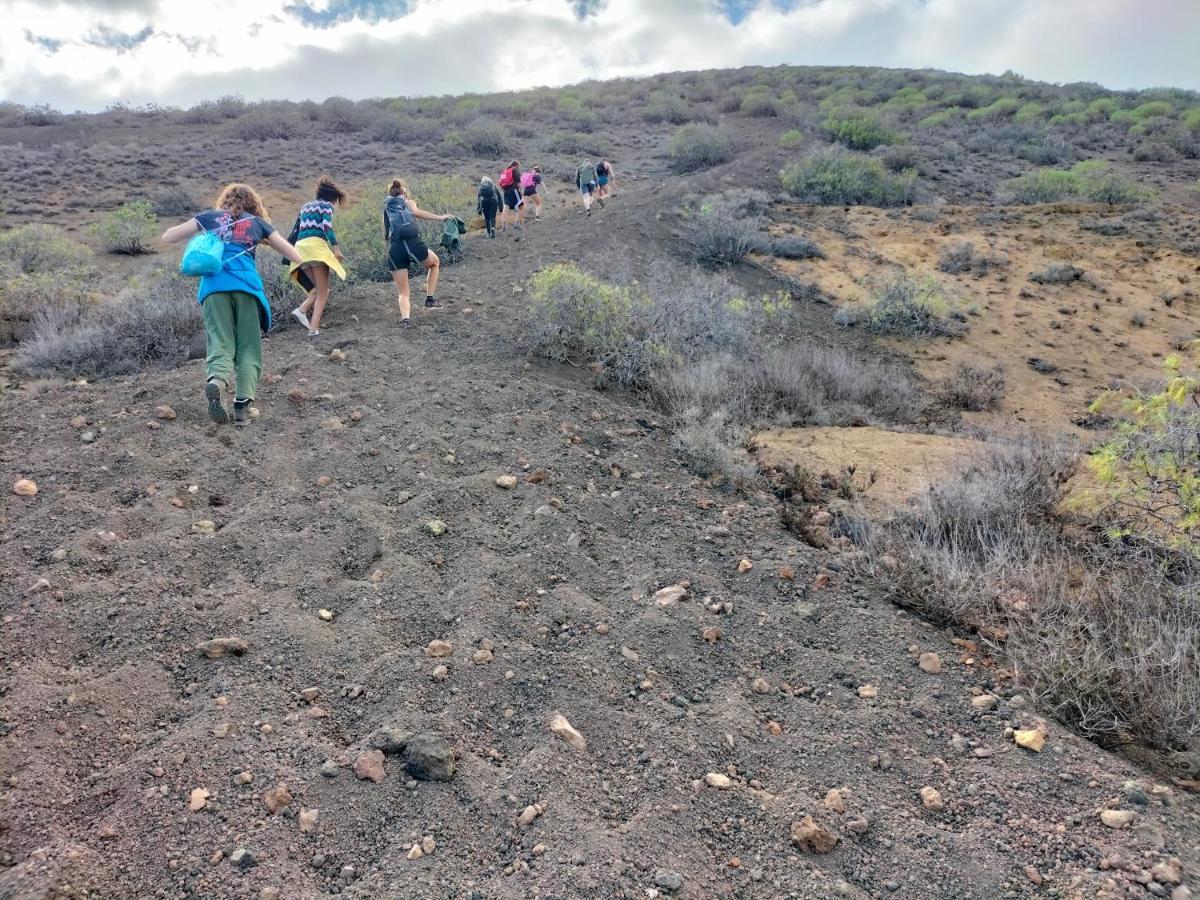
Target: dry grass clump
[
  {"x": 152, "y": 321},
  {"x": 1057, "y": 273},
  {"x": 974, "y": 388},
  {"x": 906, "y": 307},
  {"x": 1103, "y": 636},
  {"x": 720, "y": 234}
]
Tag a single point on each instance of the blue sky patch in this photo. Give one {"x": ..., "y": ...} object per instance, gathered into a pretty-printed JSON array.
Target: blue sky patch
[
  {"x": 121, "y": 41},
  {"x": 339, "y": 11}
]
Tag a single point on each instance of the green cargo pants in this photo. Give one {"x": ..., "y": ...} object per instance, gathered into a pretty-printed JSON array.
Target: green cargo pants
[{"x": 231, "y": 325}]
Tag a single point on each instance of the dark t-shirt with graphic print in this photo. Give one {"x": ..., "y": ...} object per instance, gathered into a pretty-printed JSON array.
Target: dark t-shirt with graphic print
[{"x": 247, "y": 231}]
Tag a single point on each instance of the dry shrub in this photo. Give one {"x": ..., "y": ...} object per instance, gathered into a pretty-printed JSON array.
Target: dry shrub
[
  {"x": 715, "y": 448},
  {"x": 906, "y": 307},
  {"x": 152, "y": 321},
  {"x": 1057, "y": 273},
  {"x": 800, "y": 384},
  {"x": 1100, "y": 635},
  {"x": 719, "y": 234},
  {"x": 974, "y": 388}
]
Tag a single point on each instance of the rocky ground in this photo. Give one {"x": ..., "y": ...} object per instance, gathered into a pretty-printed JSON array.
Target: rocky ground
[{"x": 427, "y": 550}]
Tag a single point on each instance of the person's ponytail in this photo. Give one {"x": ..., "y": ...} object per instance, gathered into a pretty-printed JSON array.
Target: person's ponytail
[{"x": 398, "y": 188}]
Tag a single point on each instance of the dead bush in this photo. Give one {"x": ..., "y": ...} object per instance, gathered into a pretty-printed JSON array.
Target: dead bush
[
  {"x": 152, "y": 321},
  {"x": 1103, "y": 637},
  {"x": 714, "y": 448},
  {"x": 716, "y": 234},
  {"x": 795, "y": 248},
  {"x": 1057, "y": 273},
  {"x": 974, "y": 388},
  {"x": 956, "y": 258}
]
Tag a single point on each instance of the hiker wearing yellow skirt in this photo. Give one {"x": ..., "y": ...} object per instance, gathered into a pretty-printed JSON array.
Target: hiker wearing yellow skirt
[{"x": 316, "y": 242}]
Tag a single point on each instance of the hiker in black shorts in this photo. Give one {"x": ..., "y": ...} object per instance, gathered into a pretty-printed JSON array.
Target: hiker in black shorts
[
  {"x": 510, "y": 183},
  {"x": 405, "y": 246}
]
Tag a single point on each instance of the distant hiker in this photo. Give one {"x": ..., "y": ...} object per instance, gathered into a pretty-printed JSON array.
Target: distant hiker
[
  {"x": 488, "y": 203},
  {"x": 586, "y": 180},
  {"x": 531, "y": 182},
  {"x": 405, "y": 246},
  {"x": 236, "y": 311},
  {"x": 604, "y": 177},
  {"x": 510, "y": 184},
  {"x": 317, "y": 245}
]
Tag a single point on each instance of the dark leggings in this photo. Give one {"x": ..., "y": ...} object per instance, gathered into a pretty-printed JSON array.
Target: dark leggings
[{"x": 489, "y": 213}]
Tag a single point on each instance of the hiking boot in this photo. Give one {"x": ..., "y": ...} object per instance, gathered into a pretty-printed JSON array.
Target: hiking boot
[
  {"x": 432, "y": 303},
  {"x": 216, "y": 407},
  {"x": 299, "y": 316},
  {"x": 491, "y": 232},
  {"x": 600, "y": 203},
  {"x": 406, "y": 323},
  {"x": 241, "y": 412}
]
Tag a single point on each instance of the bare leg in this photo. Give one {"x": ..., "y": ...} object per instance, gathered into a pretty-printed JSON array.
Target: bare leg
[
  {"x": 320, "y": 277},
  {"x": 433, "y": 266},
  {"x": 400, "y": 277},
  {"x": 307, "y": 305}
]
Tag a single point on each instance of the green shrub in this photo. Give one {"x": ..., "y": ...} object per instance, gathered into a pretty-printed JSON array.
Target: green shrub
[
  {"x": 628, "y": 333},
  {"x": 40, "y": 249},
  {"x": 839, "y": 177},
  {"x": 859, "y": 131},
  {"x": 1030, "y": 112},
  {"x": 939, "y": 118},
  {"x": 487, "y": 140},
  {"x": 1150, "y": 469},
  {"x": 577, "y": 142},
  {"x": 666, "y": 108},
  {"x": 1101, "y": 109},
  {"x": 792, "y": 139},
  {"x": 1090, "y": 180},
  {"x": 906, "y": 307},
  {"x": 1002, "y": 108},
  {"x": 698, "y": 146},
  {"x": 1153, "y": 109},
  {"x": 1191, "y": 119},
  {"x": 128, "y": 230},
  {"x": 759, "y": 104}
]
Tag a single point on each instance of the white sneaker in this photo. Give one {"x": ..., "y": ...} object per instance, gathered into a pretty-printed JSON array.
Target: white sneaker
[{"x": 299, "y": 316}]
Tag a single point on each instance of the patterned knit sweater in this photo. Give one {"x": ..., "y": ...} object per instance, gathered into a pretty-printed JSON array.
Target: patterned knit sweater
[{"x": 316, "y": 220}]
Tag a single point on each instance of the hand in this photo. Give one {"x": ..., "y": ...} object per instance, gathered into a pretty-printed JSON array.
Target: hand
[{"x": 444, "y": 218}]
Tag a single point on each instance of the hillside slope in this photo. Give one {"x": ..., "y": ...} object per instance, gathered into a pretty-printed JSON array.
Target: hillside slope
[{"x": 791, "y": 678}]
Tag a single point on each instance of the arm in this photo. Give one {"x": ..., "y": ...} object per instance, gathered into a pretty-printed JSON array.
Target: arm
[
  {"x": 331, "y": 236},
  {"x": 419, "y": 213},
  {"x": 280, "y": 245},
  {"x": 181, "y": 232}
]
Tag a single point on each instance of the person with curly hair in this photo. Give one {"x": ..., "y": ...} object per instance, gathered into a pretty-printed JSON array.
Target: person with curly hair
[{"x": 235, "y": 308}]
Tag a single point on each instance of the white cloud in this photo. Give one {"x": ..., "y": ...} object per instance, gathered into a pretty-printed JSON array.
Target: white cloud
[{"x": 204, "y": 48}]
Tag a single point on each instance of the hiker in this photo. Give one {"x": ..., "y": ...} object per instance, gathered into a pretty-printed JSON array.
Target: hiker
[
  {"x": 487, "y": 203},
  {"x": 586, "y": 181},
  {"x": 604, "y": 177},
  {"x": 510, "y": 182},
  {"x": 236, "y": 311},
  {"x": 405, "y": 246},
  {"x": 531, "y": 181},
  {"x": 316, "y": 242}
]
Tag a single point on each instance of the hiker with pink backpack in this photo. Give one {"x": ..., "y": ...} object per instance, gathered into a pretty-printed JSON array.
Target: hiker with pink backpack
[
  {"x": 509, "y": 183},
  {"x": 531, "y": 183}
]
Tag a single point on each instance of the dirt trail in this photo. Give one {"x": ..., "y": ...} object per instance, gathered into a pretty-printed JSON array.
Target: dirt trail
[{"x": 111, "y": 717}]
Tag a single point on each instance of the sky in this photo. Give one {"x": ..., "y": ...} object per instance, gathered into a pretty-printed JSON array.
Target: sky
[{"x": 88, "y": 54}]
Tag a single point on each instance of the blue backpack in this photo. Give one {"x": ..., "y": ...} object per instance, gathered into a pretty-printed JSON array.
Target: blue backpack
[{"x": 204, "y": 255}]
